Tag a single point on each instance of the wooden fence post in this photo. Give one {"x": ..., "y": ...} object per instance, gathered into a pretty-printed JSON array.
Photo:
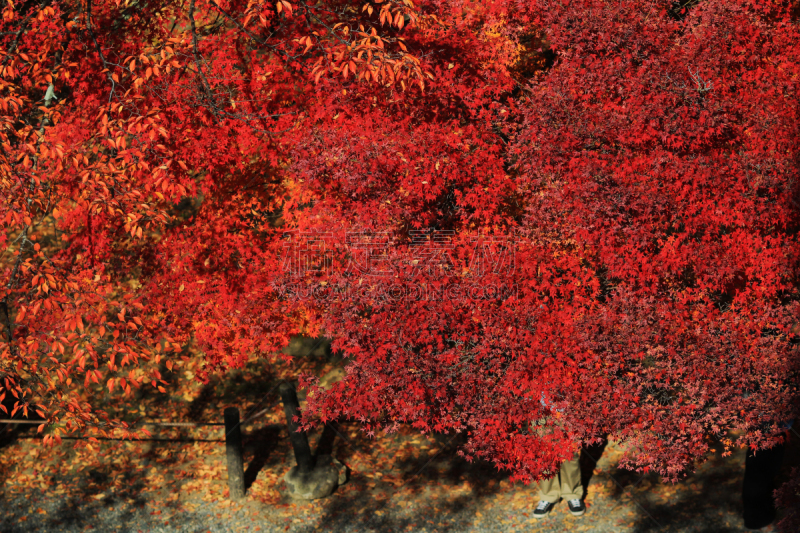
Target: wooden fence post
[
  {"x": 299, "y": 440},
  {"x": 233, "y": 449}
]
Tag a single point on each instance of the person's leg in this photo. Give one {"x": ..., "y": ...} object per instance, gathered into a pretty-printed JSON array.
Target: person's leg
[
  {"x": 549, "y": 489},
  {"x": 760, "y": 470},
  {"x": 570, "y": 474},
  {"x": 571, "y": 488},
  {"x": 549, "y": 494}
]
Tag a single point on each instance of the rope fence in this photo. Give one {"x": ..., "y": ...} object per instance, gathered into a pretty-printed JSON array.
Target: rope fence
[
  {"x": 233, "y": 434},
  {"x": 233, "y": 441},
  {"x": 164, "y": 424}
]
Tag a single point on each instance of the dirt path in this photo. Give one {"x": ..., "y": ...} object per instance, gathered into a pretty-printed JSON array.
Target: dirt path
[
  {"x": 176, "y": 481},
  {"x": 421, "y": 487}
]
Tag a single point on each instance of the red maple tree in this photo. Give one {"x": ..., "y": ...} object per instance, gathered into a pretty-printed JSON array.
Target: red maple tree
[
  {"x": 648, "y": 196},
  {"x": 534, "y": 223}
]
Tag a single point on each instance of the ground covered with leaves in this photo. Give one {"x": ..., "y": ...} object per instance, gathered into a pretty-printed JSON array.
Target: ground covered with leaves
[{"x": 176, "y": 479}]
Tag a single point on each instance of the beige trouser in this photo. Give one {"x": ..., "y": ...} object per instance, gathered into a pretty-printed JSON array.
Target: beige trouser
[{"x": 565, "y": 484}]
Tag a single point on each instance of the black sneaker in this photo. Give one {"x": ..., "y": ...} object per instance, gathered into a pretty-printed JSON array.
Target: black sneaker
[
  {"x": 576, "y": 507},
  {"x": 543, "y": 508}
]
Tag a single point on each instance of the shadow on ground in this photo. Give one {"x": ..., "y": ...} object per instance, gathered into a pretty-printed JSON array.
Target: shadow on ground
[
  {"x": 439, "y": 488},
  {"x": 114, "y": 479},
  {"x": 708, "y": 501}
]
